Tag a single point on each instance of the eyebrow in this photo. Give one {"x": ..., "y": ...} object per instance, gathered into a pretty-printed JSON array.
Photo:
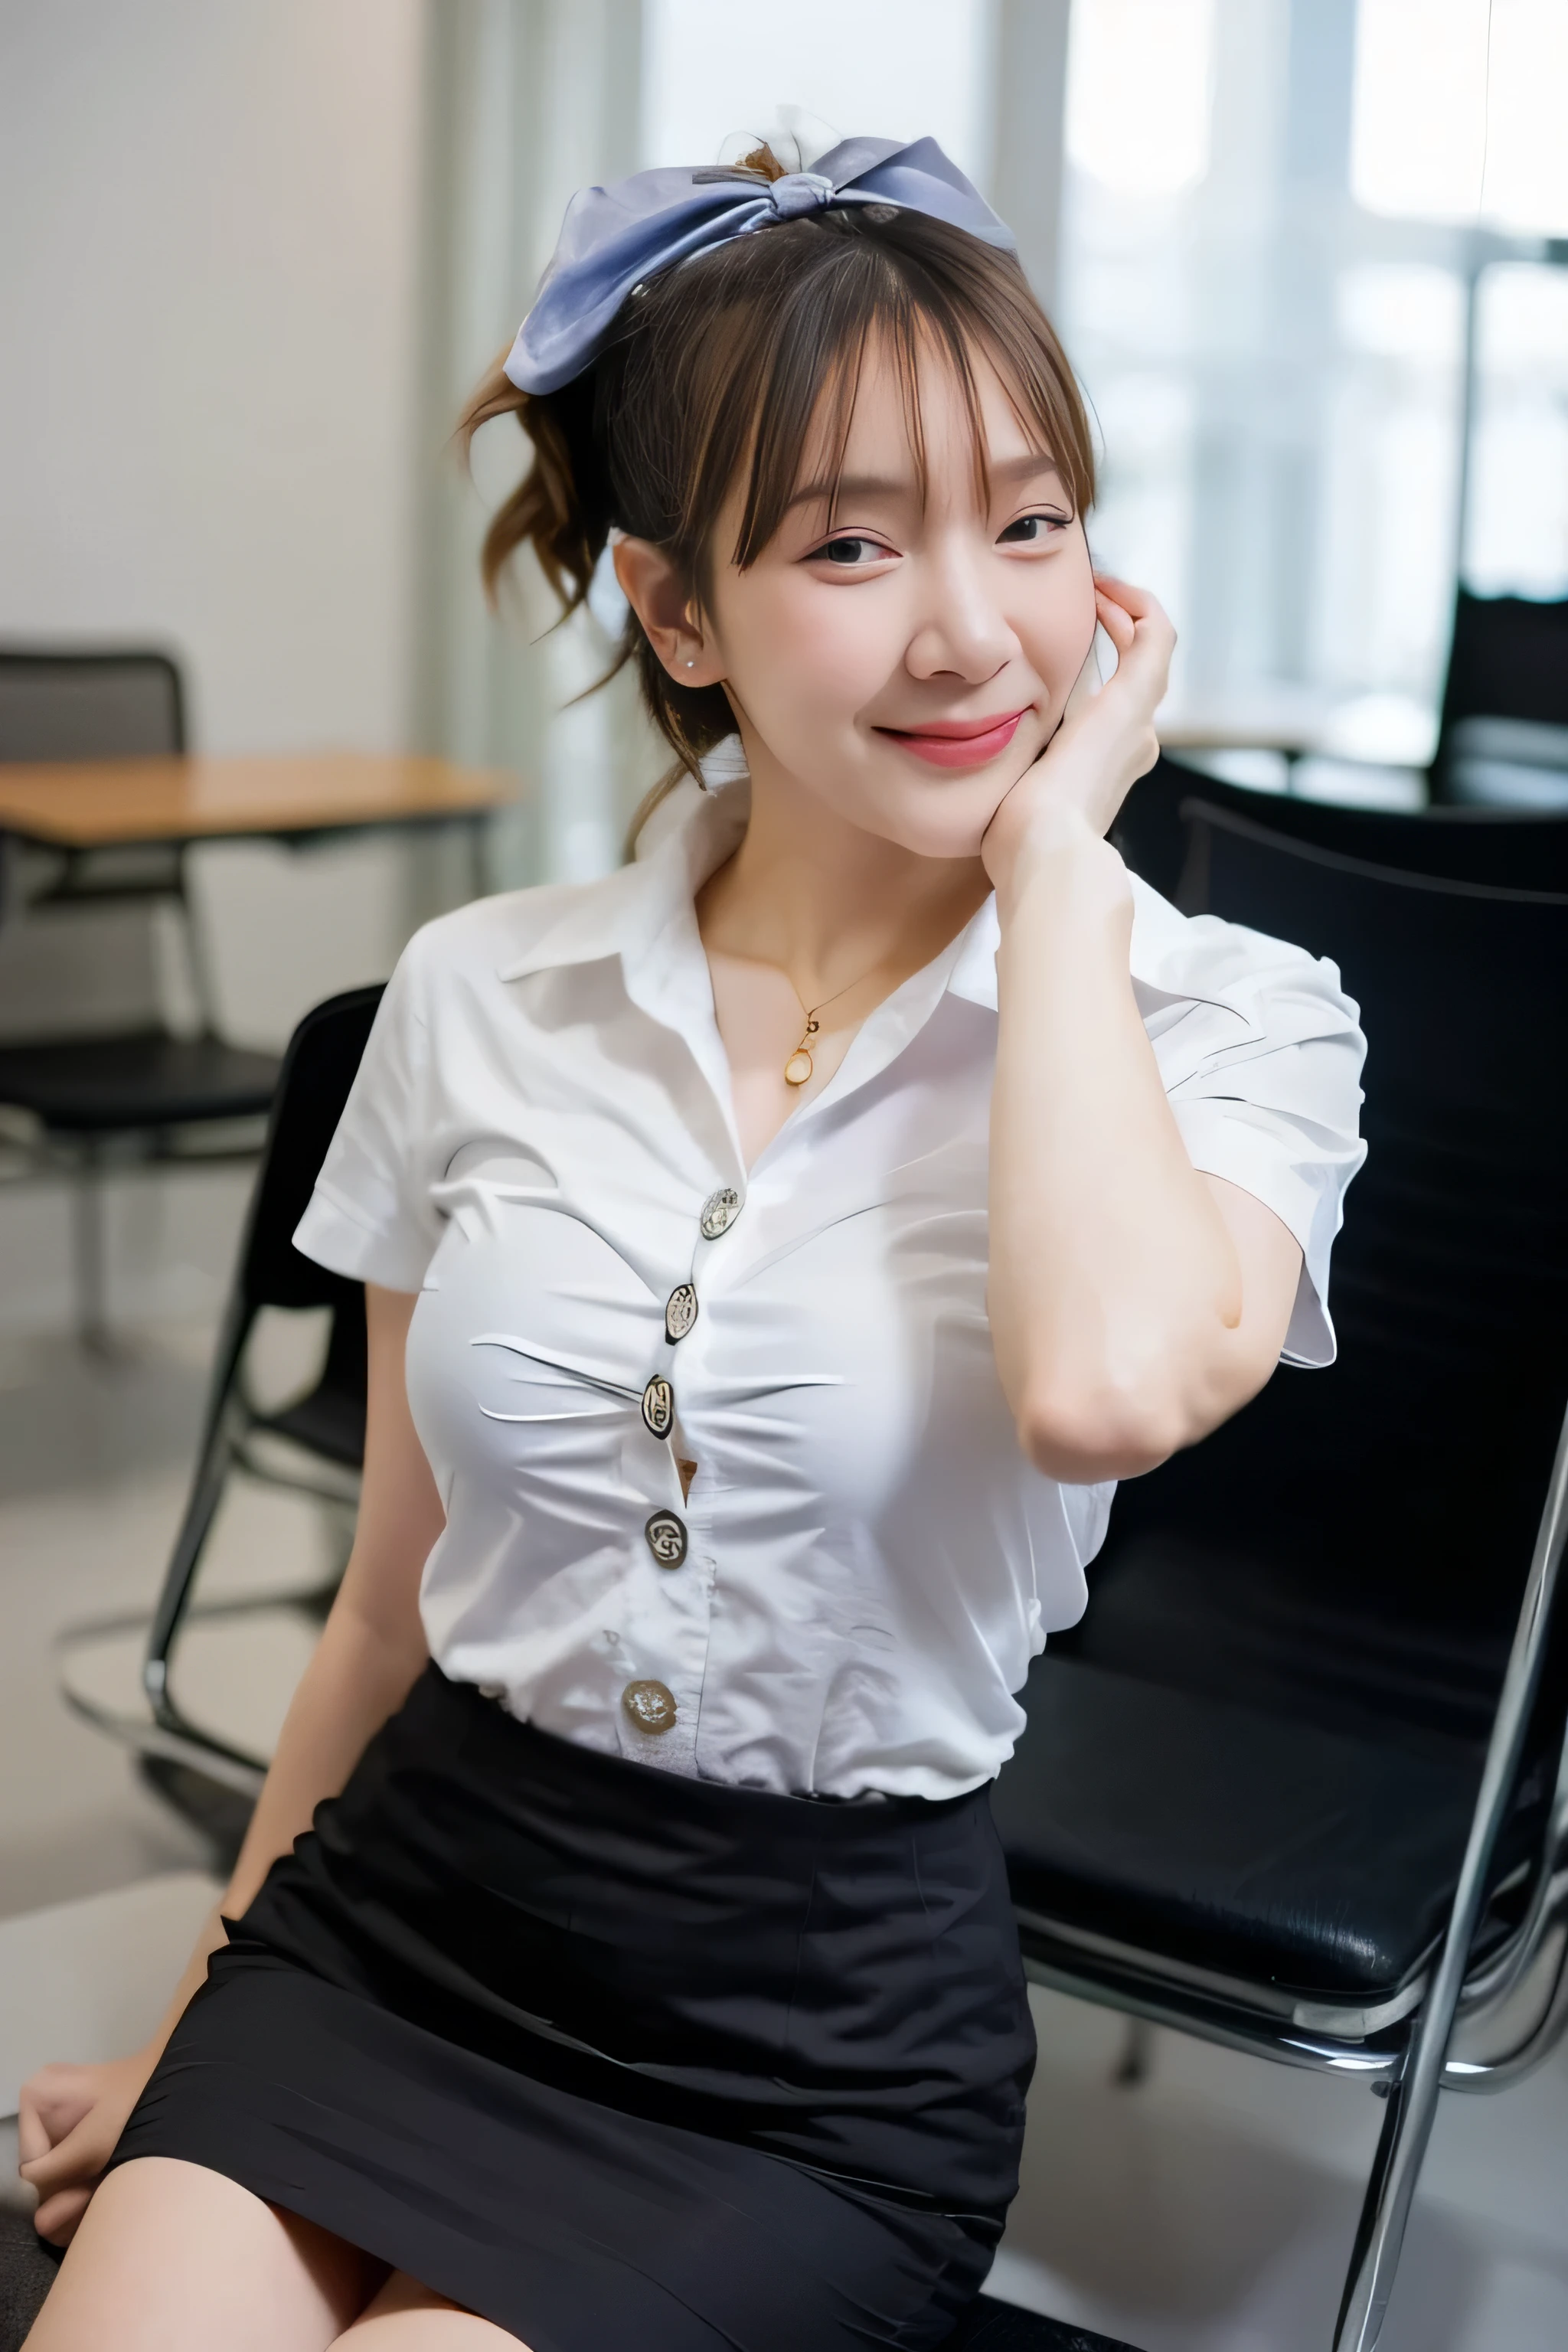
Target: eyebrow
[{"x": 869, "y": 486}]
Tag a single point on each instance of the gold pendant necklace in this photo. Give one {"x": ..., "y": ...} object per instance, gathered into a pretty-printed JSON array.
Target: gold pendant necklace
[{"x": 800, "y": 1065}]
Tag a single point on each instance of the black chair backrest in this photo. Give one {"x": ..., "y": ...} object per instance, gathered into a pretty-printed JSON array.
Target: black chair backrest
[
  {"x": 1509, "y": 850},
  {"x": 89, "y": 706},
  {"x": 1405, "y": 1484},
  {"x": 1508, "y": 660},
  {"x": 319, "y": 1067}
]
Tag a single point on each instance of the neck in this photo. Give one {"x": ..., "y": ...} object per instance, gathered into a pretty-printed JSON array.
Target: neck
[{"x": 825, "y": 900}]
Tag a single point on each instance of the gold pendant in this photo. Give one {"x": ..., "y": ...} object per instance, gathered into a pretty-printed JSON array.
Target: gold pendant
[{"x": 799, "y": 1066}]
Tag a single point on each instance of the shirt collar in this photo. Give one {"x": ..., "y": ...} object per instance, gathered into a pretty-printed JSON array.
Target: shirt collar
[
  {"x": 644, "y": 912},
  {"x": 627, "y": 913},
  {"x": 689, "y": 836}
]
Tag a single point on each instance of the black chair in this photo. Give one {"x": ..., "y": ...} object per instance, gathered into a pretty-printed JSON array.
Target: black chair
[
  {"x": 1512, "y": 849},
  {"x": 1290, "y": 1785},
  {"x": 187, "y": 1763},
  {"x": 140, "y": 1089},
  {"x": 89, "y": 706},
  {"x": 1503, "y": 738}
]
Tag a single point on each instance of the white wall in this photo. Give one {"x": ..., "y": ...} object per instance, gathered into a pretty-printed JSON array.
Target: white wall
[
  {"x": 209, "y": 288},
  {"x": 211, "y": 213},
  {"x": 207, "y": 412}
]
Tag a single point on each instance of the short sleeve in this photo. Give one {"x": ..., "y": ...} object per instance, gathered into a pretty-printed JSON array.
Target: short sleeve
[
  {"x": 1261, "y": 1054},
  {"x": 370, "y": 1216}
]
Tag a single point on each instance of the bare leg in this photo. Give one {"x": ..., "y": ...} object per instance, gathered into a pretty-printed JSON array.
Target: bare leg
[
  {"x": 406, "y": 2317},
  {"x": 172, "y": 2258}
]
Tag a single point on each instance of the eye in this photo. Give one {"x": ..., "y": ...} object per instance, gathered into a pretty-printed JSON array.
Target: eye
[
  {"x": 849, "y": 548},
  {"x": 1032, "y": 530}
]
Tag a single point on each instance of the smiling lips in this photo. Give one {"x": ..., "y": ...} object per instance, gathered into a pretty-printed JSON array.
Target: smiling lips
[{"x": 957, "y": 742}]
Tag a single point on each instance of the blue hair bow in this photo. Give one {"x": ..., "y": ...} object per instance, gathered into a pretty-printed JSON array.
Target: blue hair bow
[{"x": 613, "y": 238}]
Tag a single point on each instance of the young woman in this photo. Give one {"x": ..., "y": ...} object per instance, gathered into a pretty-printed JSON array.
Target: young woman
[{"x": 773, "y": 1256}]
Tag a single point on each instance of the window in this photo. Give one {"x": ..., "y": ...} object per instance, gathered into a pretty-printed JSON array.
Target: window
[
  {"x": 1517, "y": 542},
  {"x": 1277, "y": 219},
  {"x": 1459, "y": 111},
  {"x": 888, "y": 68}
]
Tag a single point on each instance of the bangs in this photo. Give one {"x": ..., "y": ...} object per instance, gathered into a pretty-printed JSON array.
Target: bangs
[
  {"x": 769, "y": 336},
  {"x": 804, "y": 426}
]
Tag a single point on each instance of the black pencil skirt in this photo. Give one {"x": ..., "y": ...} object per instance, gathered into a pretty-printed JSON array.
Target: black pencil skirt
[{"x": 616, "y": 2057}]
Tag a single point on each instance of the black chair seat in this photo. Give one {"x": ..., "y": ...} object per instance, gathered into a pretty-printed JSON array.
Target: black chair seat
[
  {"x": 1234, "y": 1838},
  {"x": 1284, "y": 1635},
  {"x": 329, "y": 1421},
  {"x": 28, "y": 2270},
  {"x": 86, "y": 1085}
]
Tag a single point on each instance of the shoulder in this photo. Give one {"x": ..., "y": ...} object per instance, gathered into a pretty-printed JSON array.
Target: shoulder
[{"x": 1201, "y": 960}]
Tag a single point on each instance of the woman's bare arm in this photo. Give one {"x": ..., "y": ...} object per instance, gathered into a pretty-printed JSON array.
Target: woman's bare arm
[
  {"x": 371, "y": 1651},
  {"x": 372, "y": 1646},
  {"x": 1135, "y": 1303}
]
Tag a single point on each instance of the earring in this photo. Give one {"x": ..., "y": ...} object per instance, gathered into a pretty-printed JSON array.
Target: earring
[{"x": 692, "y": 664}]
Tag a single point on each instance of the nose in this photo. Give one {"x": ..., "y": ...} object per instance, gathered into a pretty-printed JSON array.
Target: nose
[{"x": 963, "y": 633}]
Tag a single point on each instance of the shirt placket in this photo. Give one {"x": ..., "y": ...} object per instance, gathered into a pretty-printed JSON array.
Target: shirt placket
[{"x": 659, "y": 1712}]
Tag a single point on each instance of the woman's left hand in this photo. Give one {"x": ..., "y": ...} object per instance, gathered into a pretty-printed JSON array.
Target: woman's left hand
[{"x": 1105, "y": 742}]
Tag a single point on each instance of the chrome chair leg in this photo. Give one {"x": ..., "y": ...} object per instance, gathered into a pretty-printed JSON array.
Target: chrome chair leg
[
  {"x": 174, "y": 1601},
  {"x": 89, "y": 1264},
  {"x": 207, "y": 1481},
  {"x": 1413, "y": 2098},
  {"x": 1136, "y": 2060}
]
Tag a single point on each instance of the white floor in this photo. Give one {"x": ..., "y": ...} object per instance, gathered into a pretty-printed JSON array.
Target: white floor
[{"x": 1207, "y": 2209}]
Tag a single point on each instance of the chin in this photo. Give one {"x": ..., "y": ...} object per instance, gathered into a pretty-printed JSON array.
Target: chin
[
  {"x": 949, "y": 819},
  {"x": 926, "y": 832}
]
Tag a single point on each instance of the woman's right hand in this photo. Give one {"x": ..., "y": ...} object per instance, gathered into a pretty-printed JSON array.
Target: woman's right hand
[{"x": 69, "y": 2123}]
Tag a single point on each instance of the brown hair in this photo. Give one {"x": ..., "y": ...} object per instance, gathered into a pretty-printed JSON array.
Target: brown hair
[{"x": 723, "y": 364}]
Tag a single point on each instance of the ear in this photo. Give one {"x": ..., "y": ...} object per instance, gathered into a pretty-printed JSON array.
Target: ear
[{"x": 668, "y": 610}]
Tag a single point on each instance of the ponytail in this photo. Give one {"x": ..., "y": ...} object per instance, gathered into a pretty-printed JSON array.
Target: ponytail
[
  {"x": 544, "y": 511},
  {"x": 563, "y": 509}
]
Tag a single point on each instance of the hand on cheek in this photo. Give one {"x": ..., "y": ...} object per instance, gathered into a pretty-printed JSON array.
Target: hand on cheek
[{"x": 1105, "y": 742}]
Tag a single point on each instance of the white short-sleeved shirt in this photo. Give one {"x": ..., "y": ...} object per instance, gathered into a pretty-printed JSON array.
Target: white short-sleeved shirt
[{"x": 541, "y": 1143}]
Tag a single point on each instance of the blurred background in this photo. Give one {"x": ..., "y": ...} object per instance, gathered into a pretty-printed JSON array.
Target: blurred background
[
  {"x": 1307, "y": 255},
  {"x": 1310, "y": 258}
]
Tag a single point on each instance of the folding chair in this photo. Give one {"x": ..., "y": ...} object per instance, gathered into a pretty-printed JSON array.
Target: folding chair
[
  {"x": 1502, "y": 739},
  {"x": 315, "y": 1444},
  {"x": 1291, "y": 1786},
  {"x": 1511, "y": 848},
  {"x": 140, "y": 1087}
]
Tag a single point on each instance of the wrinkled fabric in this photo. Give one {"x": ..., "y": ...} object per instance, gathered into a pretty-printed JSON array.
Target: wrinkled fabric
[{"x": 543, "y": 1111}]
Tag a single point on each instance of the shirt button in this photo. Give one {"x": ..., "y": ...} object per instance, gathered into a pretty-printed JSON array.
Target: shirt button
[
  {"x": 679, "y": 1312},
  {"x": 650, "y": 1706},
  {"x": 667, "y": 1538},
  {"x": 720, "y": 1210},
  {"x": 658, "y": 1406}
]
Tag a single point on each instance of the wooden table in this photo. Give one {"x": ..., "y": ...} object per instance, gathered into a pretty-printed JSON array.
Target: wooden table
[
  {"x": 94, "y": 819},
  {"x": 112, "y": 803}
]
